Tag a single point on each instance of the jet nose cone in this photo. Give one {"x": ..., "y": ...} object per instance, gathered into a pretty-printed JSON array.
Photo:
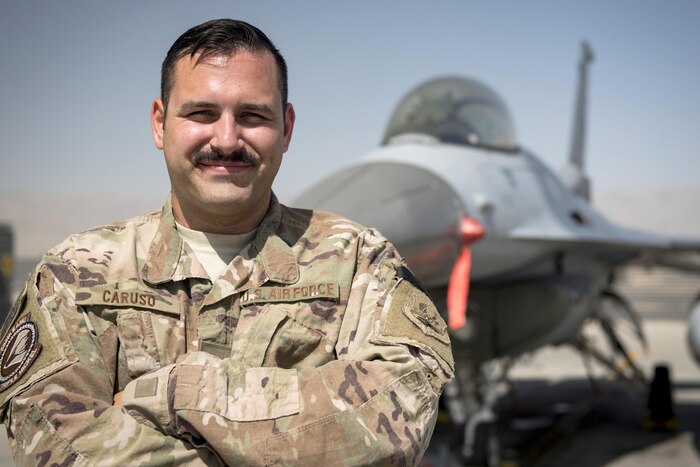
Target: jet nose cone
[{"x": 414, "y": 208}]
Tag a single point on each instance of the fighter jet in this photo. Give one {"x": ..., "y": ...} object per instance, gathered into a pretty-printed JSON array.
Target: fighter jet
[{"x": 512, "y": 253}]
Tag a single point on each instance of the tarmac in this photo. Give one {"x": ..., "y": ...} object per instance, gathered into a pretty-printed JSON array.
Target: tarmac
[{"x": 555, "y": 415}]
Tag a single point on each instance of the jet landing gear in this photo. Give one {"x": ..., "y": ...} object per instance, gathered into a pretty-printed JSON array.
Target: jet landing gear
[
  {"x": 613, "y": 337},
  {"x": 481, "y": 446},
  {"x": 470, "y": 399},
  {"x": 620, "y": 328}
]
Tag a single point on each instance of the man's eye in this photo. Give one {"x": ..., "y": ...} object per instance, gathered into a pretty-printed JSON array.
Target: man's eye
[
  {"x": 251, "y": 117},
  {"x": 201, "y": 114}
]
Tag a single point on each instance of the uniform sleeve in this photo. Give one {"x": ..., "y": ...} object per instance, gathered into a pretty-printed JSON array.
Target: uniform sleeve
[
  {"x": 56, "y": 388},
  {"x": 375, "y": 405}
]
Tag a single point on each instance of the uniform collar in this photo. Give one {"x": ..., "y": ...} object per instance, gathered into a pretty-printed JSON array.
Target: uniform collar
[
  {"x": 165, "y": 250},
  {"x": 276, "y": 255},
  {"x": 268, "y": 257}
]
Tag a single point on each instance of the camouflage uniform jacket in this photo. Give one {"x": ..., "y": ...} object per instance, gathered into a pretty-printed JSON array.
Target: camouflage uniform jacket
[{"x": 314, "y": 347}]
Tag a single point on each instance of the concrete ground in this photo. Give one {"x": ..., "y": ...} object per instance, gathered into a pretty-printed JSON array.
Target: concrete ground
[
  {"x": 607, "y": 431},
  {"x": 554, "y": 415}
]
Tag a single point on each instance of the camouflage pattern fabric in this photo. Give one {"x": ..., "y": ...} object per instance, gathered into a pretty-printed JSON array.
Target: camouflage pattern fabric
[{"x": 312, "y": 348}]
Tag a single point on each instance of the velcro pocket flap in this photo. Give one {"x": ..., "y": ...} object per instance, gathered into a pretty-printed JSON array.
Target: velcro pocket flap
[
  {"x": 138, "y": 342},
  {"x": 253, "y": 336}
]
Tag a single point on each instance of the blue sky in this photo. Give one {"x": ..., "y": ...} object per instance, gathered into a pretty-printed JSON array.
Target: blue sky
[{"x": 77, "y": 79}]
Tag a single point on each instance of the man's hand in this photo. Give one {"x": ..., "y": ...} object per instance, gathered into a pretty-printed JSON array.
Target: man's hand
[{"x": 118, "y": 402}]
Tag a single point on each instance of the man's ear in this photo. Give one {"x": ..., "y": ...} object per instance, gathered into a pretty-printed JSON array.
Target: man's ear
[
  {"x": 289, "y": 116},
  {"x": 158, "y": 121}
]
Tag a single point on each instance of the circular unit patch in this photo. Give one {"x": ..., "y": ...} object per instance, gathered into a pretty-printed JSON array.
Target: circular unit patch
[{"x": 18, "y": 351}]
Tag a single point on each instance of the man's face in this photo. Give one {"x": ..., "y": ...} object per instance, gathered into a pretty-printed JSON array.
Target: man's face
[{"x": 223, "y": 135}]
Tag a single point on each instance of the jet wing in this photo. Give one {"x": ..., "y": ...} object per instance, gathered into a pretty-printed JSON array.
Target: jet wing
[{"x": 640, "y": 247}]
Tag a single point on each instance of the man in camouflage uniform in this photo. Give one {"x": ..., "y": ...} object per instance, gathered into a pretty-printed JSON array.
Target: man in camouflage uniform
[{"x": 313, "y": 344}]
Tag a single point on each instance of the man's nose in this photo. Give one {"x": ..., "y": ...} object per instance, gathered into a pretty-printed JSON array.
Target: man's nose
[{"x": 226, "y": 135}]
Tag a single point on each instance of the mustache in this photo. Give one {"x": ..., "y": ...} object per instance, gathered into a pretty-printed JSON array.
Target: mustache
[{"x": 239, "y": 155}]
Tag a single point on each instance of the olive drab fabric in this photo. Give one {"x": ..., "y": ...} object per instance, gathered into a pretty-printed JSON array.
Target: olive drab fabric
[{"x": 311, "y": 349}]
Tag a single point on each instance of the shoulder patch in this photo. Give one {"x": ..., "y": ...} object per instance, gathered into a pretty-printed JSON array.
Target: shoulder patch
[
  {"x": 18, "y": 350},
  {"x": 424, "y": 315},
  {"x": 412, "y": 315},
  {"x": 31, "y": 345}
]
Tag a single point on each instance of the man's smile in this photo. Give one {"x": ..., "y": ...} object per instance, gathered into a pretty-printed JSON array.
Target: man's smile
[{"x": 224, "y": 166}]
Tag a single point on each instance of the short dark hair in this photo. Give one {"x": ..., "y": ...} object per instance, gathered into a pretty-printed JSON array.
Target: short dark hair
[{"x": 220, "y": 37}]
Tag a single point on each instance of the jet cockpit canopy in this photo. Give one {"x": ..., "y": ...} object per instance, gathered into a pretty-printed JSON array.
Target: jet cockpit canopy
[{"x": 455, "y": 110}]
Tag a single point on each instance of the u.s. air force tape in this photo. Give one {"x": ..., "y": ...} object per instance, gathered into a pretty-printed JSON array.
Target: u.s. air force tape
[
  {"x": 298, "y": 292},
  {"x": 18, "y": 351}
]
